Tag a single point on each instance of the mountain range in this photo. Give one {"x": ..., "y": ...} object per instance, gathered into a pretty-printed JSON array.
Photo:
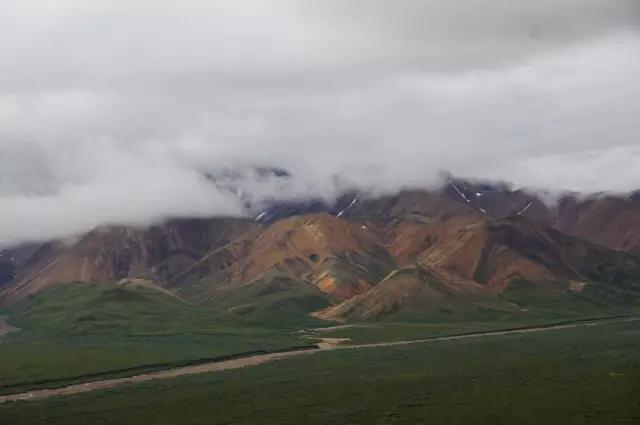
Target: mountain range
[{"x": 466, "y": 248}]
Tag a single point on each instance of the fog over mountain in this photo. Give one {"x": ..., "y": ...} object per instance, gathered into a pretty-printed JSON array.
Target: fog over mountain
[{"x": 117, "y": 112}]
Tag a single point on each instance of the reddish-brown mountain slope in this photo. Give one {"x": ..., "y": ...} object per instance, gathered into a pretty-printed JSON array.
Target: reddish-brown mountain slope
[
  {"x": 342, "y": 258},
  {"x": 113, "y": 253},
  {"x": 418, "y": 291},
  {"x": 612, "y": 221},
  {"x": 477, "y": 261}
]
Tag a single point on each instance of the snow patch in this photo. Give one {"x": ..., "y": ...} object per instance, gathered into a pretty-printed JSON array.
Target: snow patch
[
  {"x": 353, "y": 202},
  {"x": 462, "y": 195},
  {"x": 525, "y": 208}
]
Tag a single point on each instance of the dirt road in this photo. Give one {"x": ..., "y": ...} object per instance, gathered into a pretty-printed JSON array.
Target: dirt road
[{"x": 326, "y": 344}]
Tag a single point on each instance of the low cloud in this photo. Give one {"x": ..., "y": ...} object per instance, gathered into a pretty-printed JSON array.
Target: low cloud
[{"x": 116, "y": 112}]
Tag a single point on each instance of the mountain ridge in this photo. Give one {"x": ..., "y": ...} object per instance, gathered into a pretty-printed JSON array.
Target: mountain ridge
[{"x": 467, "y": 236}]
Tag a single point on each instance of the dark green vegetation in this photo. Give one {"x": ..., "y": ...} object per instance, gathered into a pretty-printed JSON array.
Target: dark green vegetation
[
  {"x": 78, "y": 329},
  {"x": 79, "y": 332},
  {"x": 273, "y": 301},
  {"x": 368, "y": 333},
  {"x": 584, "y": 375}
]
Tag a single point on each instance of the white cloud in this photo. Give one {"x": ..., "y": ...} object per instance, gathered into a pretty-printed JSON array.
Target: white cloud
[{"x": 110, "y": 112}]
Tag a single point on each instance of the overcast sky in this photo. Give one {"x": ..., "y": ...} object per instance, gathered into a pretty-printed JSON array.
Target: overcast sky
[{"x": 113, "y": 111}]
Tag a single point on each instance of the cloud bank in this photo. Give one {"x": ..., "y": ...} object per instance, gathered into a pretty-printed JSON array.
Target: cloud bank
[{"x": 114, "y": 112}]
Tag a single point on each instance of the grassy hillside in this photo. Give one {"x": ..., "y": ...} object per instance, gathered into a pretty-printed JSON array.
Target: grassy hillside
[
  {"x": 587, "y": 375},
  {"x": 112, "y": 329},
  {"x": 557, "y": 302},
  {"x": 76, "y": 329},
  {"x": 85, "y": 308},
  {"x": 274, "y": 301}
]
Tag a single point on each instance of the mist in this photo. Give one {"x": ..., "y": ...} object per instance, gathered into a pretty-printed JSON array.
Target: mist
[{"x": 116, "y": 112}]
